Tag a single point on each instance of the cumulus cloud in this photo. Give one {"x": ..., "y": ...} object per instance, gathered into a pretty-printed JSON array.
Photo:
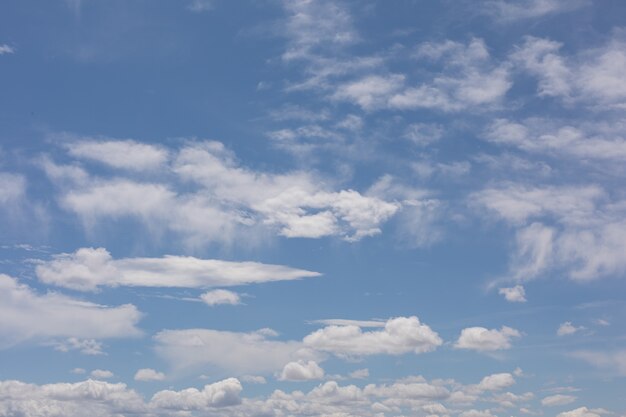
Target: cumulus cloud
[
  {"x": 301, "y": 371},
  {"x": 580, "y": 412},
  {"x": 217, "y": 297},
  {"x": 515, "y": 294},
  {"x": 496, "y": 382},
  {"x": 485, "y": 340},
  {"x": 147, "y": 374},
  {"x": 28, "y": 316},
  {"x": 87, "y": 269},
  {"x": 12, "y": 188},
  {"x": 568, "y": 328},
  {"x": 220, "y": 394},
  {"x": 399, "y": 336}
]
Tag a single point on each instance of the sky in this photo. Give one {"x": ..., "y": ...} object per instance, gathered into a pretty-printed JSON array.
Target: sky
[{"x": 276, "y": 208}]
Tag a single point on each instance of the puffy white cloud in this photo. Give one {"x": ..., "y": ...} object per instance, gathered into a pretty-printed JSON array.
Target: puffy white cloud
[
  {"x": 101, "y": 374},
  {"x": 515, "y": 294},
  {"x": 568, "y": 328},
  {"x": 28, "y": 316},
  {"x": 370, "y": 92},
  {"x": 147, "y": 374},
  {"x": 220, "y": 394},
  {"x": 579, "y": 412},
  {"x": 476, "y": 413},
  {"x": 301, "y": 371},
  {"x": 360, "y": 373},
  {"x": 400, "y": 335},
  {"x": 558, "y": 399},
  {"x": 125, "y": 154},
  {"x": 485, "y": 340},
  {"x": 90, "y": 268},
  {"x": 93, "y": 398},
  {"x": 496, "y": 382},
  {"x": 423, "y": 134},
  {"x": 216, "y": 297}
]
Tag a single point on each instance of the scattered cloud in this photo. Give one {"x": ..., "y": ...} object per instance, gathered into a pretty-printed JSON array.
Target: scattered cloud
[
  {"x": 399, "y": 336},
  {"x": 485, "y": 340},
  {"x": 147, "y": 374},
  {"x": 568, "y": 328},
  {"x": 101, "y": 374},
  {"x": 301, "y": 371},
  {"x": 6, "y": 49},
  {"x": 557, "y": 400},
  {"x": 217, "y": 297},
  {"x": 515, "y": 294}
]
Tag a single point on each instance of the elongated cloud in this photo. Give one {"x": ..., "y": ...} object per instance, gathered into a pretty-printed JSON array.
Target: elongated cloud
[
  {"x": 89, "y": 268},
  {"x": 28, "y": 316}
]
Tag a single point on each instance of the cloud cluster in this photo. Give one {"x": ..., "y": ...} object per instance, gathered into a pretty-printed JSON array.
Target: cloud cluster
[{"x": 223, "y": 198}]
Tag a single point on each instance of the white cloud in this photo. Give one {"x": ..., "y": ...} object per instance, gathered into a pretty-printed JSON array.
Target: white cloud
[
  {"x": 527, "y": 9},
  {"x": 121, "y": 154},
  {"x": 423, "y": 134},
  {"x": 6, "y": 49},
  {"x": 301, "y": 371},
  {"x": 568, "y": 328},
  {"x": 220, "y": 394},
  {"x": 12, "y": 188},
  {"x": 370, "y": 92},
  {"x": 515, "y": 294},
  {"x": 101, "y": 374},
  {"x": 546, "y": 137},
  {"x": 253, "y": 379},
  {"x": 593, "y": 77},
  {"x": 400, "y": 335},
  {"x": 579, "y": 412},
  {"x": 232, "y": 352},
  {"x": 89, "y": 268},
  {"x": 360, "y": 374},
  {"x": 583, "y": 241},
  {"x": 84, "y": 346},
  {"x": 78, "y": 371},
  {"x": 558, "y": 399},
  {"x": 216, "y": 297},
  {"x": 147, "y": 374},
  {"x": 199, "y": 6},
  {"x": 613, "y": 361},
  {"x": 485, "y": 340},
  {"x": 347, "y": 322},
  {"x": 224, "y": 200},
  {"x": 92, "y": 398},
  {"x": 28, "y": 316},
  {"x": 496, "y": 382}
]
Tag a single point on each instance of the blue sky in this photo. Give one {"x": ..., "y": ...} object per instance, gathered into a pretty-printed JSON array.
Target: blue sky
[{"x": 312, "y": 208}]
